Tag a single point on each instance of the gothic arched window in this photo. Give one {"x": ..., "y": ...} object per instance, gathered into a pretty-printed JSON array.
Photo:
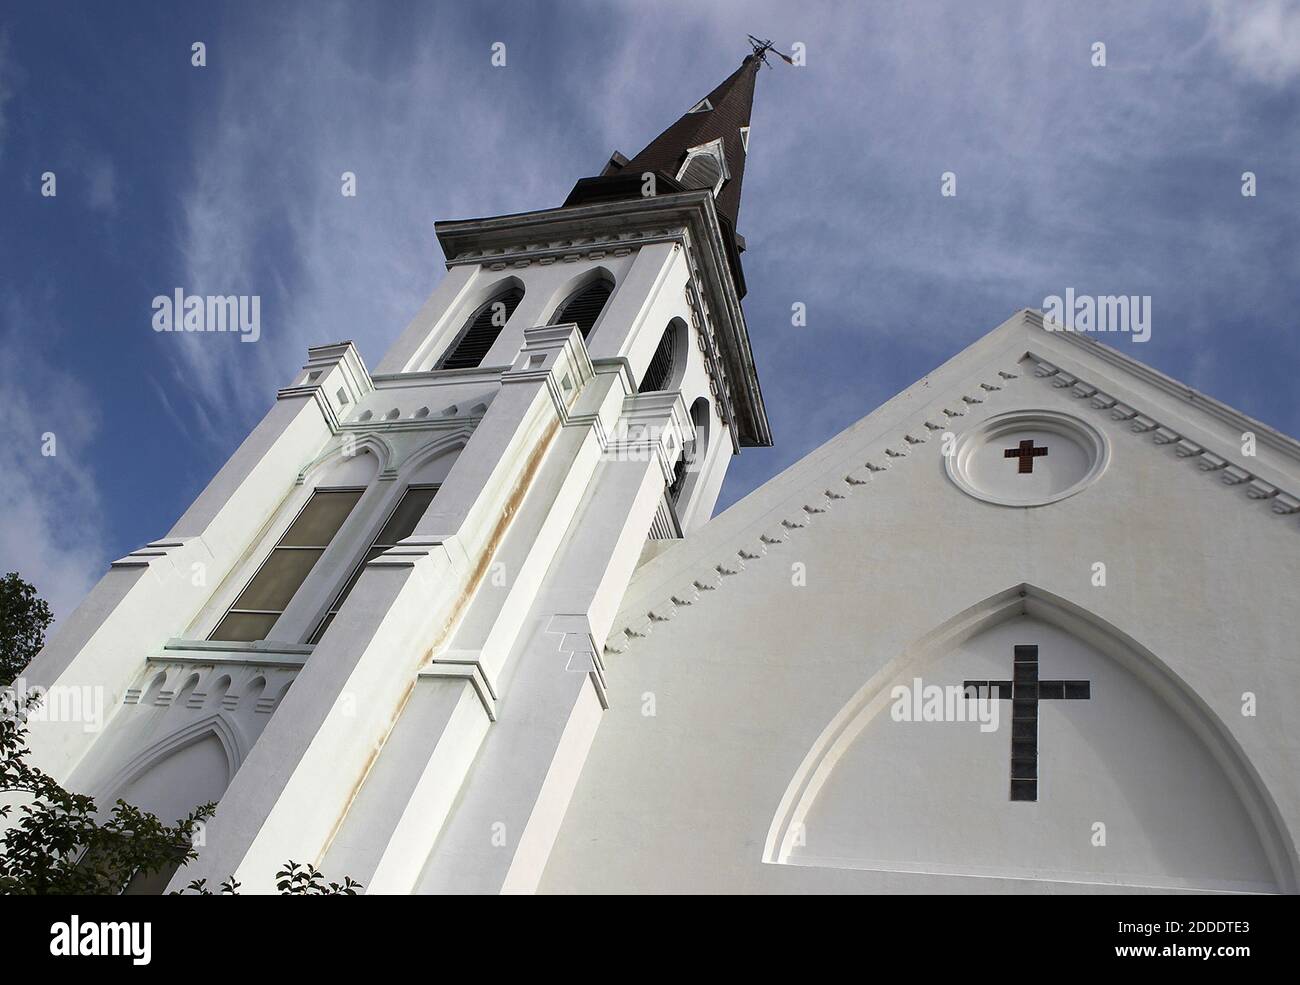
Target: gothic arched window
[
  {"x": 584, "y": 305},
  {"x": 482, "y": 329},
  {"x": 400, "y": 525},
  {"x": 268, "y": 592},
  {"x": 669, "y": 360}
]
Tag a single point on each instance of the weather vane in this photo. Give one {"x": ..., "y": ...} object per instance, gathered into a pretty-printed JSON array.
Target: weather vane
[{"x": 762, "y": 47}]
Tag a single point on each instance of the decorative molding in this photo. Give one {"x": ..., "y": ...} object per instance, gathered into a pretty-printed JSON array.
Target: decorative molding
[
  {"x": 555, "y": 356},
  {"x": 1228, "y": 472},
  {"x": 1282, "y": 503},
  {"x": 813, "y": 505},
  {"x": 467, "y": 666},
  {"x": 143, "y": 557},
  {"x": 321, "y": 361},
  {"x": 374, "y": 444},
  {"x": 216, "y": 724},
  {"x": 1282, "y": 443},
  {"x": 578, "y": 645},
  {"x": 685, "y": 219}
]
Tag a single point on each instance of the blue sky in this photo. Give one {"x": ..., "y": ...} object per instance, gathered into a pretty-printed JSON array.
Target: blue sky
[{"x": 225, "y": 179}]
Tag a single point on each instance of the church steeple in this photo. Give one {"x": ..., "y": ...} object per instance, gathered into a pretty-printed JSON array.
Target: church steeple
[
  {"x": 704, "y": 149},
  {"x": 717, "y": 123}
]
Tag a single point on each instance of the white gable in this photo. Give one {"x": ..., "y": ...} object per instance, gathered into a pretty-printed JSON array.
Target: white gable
[{"x": 745, "y": 656}]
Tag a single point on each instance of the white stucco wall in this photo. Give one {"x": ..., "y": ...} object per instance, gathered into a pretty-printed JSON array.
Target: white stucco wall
[{"x": 748, "y": 679}]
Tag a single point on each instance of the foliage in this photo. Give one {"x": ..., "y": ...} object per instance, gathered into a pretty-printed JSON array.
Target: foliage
[
  {"x": 58, "y": 846},
  {"x": 24, "y": 617},
  {"x": 292, "y": 880}
]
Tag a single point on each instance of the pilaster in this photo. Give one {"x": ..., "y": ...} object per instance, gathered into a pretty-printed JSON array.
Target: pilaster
[{"x": 153, "y": 593}]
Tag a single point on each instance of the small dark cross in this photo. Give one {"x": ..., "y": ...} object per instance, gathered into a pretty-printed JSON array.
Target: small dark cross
[
  {"x": 1026, "y": 453},
  {"x": 1025, "y": 691}
]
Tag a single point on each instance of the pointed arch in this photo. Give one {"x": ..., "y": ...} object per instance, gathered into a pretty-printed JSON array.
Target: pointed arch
[
  {"x": 227, "y": 733},
  {"x": 154, "y": 688},
  {"x": 1029, "y": 600},
  {"x": 342, "y": 447},
  {"x": 436, "y": 447},
  {"x": 217, "y": 692},
  {"x": 476, "y": 336},
  {"x": 690, "y": 467},
  {"x": 583, "y": 300},
  {"x": 668, "y": 363}
]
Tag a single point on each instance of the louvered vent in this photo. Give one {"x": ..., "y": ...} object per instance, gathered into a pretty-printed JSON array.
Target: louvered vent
[
  {"x": 703, "y": 171},
  {"x": 679, "y": 480},
  {"x": 585, "y": 307},
  {"x": 483, "y": 330},
  {"x": 660, "y": 371}
]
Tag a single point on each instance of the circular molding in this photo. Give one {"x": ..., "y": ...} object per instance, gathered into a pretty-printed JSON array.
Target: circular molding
[{"x": 974, "y": 465}]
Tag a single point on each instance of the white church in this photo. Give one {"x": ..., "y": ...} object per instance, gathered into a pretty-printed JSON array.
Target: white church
[{"x": 465, "y": 622}]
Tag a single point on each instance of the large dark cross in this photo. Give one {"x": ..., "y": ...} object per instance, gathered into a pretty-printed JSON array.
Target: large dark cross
[
  {"x": 1026, "y": 453},
  {"x": 1025, "y": 691}
]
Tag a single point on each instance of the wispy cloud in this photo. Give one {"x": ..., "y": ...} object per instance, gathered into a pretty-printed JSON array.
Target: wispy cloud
[
  {"x": 1115, "y": 179},
  {"x": 1261, "y": 38},
  {"x": 53, "y": 518},
  {"x": 264, "y": 213}
]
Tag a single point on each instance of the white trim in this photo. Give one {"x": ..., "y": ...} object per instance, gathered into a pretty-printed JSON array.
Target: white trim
[
  {"x": 1093, "y": 441},
  {"x": 227, "y": 732},
  {"x": 1029, "y": 600},
  {"x": 714, "y": 149}
]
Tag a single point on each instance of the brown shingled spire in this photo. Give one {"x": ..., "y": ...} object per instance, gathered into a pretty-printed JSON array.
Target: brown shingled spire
[
  {"x": 721, "y": 115},
  {"x": 705, "y": 146}
]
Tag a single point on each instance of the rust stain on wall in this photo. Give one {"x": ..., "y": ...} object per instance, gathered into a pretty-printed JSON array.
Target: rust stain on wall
[{"x": 457, "y": 609}]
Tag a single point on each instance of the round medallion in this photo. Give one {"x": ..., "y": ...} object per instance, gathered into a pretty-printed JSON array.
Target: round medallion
[{"x": 1028, "y": 458}]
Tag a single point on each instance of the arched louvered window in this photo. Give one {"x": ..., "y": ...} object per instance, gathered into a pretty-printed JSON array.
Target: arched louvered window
[
  {"x": 692, "y": 459},
  {"x": 669, "y": 357},
  {"x": 679, "y": 480},
  {"x": 483, "y": 328},
  {"x": 584, "y": 306}
]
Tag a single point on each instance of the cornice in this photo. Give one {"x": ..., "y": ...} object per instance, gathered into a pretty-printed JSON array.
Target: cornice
[
  {"x": 618, "y": 227},
  {"x": 1218, "y": 463},
  {"x": 822, "y": 495},
  {"x": 801, "y": 510},
  {"x": 439, "y": 377},
  {"x": 1218, "y": 410}
]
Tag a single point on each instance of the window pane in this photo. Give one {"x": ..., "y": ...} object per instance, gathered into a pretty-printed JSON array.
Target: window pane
[
  {"x": 321, "y": 518},
  {"x": 273, "y": 586},
  {"x": 243, "y": 627},
  {"x": 407, "y": 515}
]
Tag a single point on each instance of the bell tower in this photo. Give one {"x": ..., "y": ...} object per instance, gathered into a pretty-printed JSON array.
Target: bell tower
[{"x": 420, "y": 565}]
